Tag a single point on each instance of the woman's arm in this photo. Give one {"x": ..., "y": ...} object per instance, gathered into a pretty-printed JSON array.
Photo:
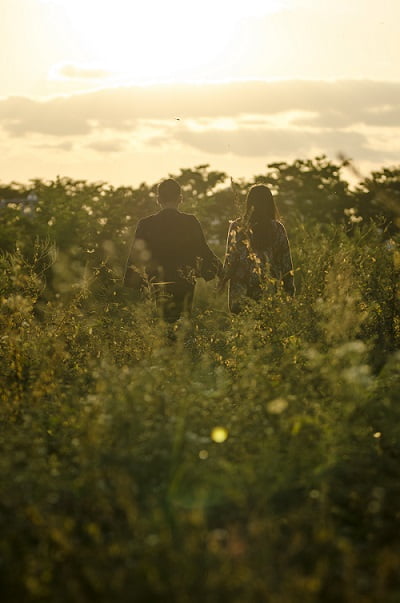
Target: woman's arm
[{"x": 283, "y": 260}]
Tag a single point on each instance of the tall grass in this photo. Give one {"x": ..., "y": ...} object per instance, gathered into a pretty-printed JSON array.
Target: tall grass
[{"x": 116, "y": 485}]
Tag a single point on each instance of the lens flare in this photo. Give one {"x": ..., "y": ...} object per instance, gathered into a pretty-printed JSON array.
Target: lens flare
[{"x": 219, "y": 434}]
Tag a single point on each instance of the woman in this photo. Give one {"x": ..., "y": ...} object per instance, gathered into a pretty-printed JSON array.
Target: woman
[{"x": 257, "y": 251}]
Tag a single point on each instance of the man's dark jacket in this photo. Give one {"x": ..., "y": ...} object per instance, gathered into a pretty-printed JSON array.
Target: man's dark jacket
[{"x": 171, "y": 247}]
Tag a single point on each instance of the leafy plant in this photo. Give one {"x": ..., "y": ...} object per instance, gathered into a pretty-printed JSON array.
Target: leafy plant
[{"x": 247, "y": 458}]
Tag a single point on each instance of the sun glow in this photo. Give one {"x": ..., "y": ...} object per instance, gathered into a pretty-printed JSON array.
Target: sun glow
[{"x": 158, "y": 40}]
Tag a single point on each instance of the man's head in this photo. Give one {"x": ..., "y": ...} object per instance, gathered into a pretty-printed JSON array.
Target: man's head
[{"x": 169, "y": 193}]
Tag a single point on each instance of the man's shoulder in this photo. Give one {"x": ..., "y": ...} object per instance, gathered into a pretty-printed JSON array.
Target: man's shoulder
[
  {"x": 189, "y": 221},
  {"x": 147, "y": 222},
  {"x": 167, "y": 213},
  {"x": 162, "y": 218},
  {"x": 188, "y": 217},
  {"x": 148, "y": 219}
]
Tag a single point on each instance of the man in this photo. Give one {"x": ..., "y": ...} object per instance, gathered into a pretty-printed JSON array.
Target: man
[{"x": 168, "y": 253}]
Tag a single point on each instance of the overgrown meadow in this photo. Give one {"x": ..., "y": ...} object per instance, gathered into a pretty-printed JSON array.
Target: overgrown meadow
[{"x": 255, "y": 458}]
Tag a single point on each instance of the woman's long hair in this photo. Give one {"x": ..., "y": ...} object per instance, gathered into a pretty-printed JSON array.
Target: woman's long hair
[{"x": 260, "y": 213}]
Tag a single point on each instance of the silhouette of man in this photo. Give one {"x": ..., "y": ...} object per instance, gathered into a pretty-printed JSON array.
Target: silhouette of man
[{"x": 168, "y": 253}]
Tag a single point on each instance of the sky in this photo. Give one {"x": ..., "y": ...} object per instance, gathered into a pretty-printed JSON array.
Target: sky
[{"x": 130, "y": 91}]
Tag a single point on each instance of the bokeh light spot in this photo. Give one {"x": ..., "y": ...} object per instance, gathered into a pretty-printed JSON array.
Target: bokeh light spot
[
  {"x": 219, "y": 434},
  {"x": 277, "y": 406}
]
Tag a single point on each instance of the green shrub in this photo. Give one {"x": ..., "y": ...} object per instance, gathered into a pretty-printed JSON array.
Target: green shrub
[{"x": 247, "y": 458}]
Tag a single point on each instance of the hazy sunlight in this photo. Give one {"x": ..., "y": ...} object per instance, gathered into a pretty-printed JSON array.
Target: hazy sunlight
[{"x": 158, "y": 40}]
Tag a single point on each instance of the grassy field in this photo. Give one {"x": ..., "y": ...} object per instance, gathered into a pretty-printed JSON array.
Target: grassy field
[{"x": 256, "y": 458}]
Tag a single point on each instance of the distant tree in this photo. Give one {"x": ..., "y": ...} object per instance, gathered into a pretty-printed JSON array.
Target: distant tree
[
  {"x": 11, "y": 191},
  {"x": 378, "y": 197},
  {"x": 309, "y": 188},
  {"x": 91, "y": 225}
]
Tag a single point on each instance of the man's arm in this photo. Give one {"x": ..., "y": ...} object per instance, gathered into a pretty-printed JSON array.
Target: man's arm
[{"x": 211, "y": 265}]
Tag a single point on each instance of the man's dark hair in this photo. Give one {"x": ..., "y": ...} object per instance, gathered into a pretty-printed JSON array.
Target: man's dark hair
[{"x": 169, "y": 191}]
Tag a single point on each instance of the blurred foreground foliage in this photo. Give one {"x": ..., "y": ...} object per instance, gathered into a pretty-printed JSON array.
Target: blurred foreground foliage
[{"x": 116, "y": 484}]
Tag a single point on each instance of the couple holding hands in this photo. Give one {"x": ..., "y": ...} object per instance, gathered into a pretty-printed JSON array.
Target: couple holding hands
[{"x": 169, "y": 252}]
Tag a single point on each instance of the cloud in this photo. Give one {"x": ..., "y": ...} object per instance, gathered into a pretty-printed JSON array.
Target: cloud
[
  {"x": 270, "y": 142},
  {"x": 74, "y": 71},
  {"x": 62, "y": 146},
  {"x": 107, "y": 146},
  {"x": 246, "y": 119},
  {"x": 335, "y": 103},
  {"x": 58, "y": 117}
]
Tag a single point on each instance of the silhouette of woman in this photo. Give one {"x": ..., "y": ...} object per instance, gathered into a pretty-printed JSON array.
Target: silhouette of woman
[{"x": 257, "y": 252}]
